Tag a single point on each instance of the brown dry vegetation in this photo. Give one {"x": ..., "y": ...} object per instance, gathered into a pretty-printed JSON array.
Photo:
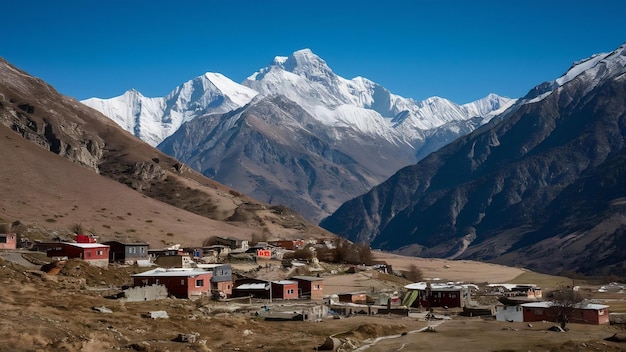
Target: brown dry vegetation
[{"x": 51, "y": 195}]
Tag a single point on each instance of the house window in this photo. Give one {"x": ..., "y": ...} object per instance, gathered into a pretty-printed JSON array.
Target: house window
[
  {"x": 317, "y": 287},
  {"x": 3, "y": 239},
  {"x": 538, "y": 311},
  {"x": 89, "y": 254},
  {"x": 182, "y": 282},
  {"x": 200, "y": 283},
  {"x": 132, "y": 250},
  {"x": 290, "y": 291},
  {"x": 142, "y": 250},
  {"x": 601, "y": 312},
  {"x": 99, "y": 252}
]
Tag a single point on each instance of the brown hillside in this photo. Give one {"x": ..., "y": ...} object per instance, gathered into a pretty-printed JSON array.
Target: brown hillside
[{"x": 65, "y": 164}]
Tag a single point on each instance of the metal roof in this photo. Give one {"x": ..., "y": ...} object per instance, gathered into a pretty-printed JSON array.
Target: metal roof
[
  {"x": 254, "y": 286},
  {"x": 87, "y": 245},
  {"x": 581, "y": 305},
  {"x": 434, "y": 287},
  {"x": 173, "y": 272}
]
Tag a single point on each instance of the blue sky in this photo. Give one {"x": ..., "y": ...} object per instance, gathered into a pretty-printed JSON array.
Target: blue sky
[{"x": 461, "y": 50}]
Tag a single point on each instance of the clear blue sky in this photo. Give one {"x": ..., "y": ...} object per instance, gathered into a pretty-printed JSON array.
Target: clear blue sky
[{"x": 461, "y": 50}]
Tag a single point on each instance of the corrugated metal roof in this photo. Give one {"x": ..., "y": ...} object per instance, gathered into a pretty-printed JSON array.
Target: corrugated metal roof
[
  {"x": 582, "y": 305},
  {"x": 433, "y": 287},
  {"x": 285, "y": 282},
  {"x": 175, "y": 272},
  {"x": 87, "y": 245},
  {"x": 255, "y": 286}
]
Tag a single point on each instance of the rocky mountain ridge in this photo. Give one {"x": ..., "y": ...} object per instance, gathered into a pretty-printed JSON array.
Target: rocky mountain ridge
[{"x": 536, "y": 187}]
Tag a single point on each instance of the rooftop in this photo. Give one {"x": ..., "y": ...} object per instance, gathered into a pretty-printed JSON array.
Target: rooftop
[{"x": 172, "y": 272}]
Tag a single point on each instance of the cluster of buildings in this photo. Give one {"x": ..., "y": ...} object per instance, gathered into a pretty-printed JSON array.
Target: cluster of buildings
[
  {"x": 196, "y": 272},
  {"x": 518, "y": 303},
  {"x": 193, "y": 272}
]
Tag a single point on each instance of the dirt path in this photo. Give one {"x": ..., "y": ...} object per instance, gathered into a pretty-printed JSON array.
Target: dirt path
[{"x": 15, "y": 256}]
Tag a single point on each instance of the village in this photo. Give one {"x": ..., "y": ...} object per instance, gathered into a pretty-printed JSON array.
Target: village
[{"x": 274, "y": 281}]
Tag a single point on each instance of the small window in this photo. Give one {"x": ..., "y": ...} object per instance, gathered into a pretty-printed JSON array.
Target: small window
[
  {"x": 3, "y": 239},
  {"x": 290, "y": 291},
  {"x": 182, "y": 282},
  {"x": 200, "y": 283},
  {"x": 89, "y": 254},
  {"x": 317, "y": 287},
  {"x": 98, "y": 252}
]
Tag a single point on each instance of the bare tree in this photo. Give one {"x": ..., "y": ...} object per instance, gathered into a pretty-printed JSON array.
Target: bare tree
[
  {"x": 77, "y": 229},
  {"x": 413, "y": 274},
  {"x": 565, "y": 300}
]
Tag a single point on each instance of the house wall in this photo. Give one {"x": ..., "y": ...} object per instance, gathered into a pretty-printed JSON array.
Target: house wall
[
  {"x": 510, "y": 313},
  {"x": 359, "y": 298},
  {"x": 285, "y": 291},
  {"x": 8, "y": 241},
  {"x": 223, "y": 286},
  {"x": 222, "y": 273},
  {"x": 289, "y": 244},
  {"x": 173, "y": 261},
  {"x": 312, "y": 288},
  {"x": 179, "y": 286},
  {"x": 580, "y": 316},
  {"x": 448, "y": 299}
]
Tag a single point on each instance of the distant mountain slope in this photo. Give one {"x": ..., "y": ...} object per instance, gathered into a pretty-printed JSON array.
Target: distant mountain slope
[
  {"x": 539, "y": 187},
  {"x": 58, "y": 192}
]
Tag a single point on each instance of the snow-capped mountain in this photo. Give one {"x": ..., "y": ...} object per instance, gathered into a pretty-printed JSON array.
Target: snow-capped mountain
[
  {"x": 153, "y": 119},
  {"x": 357, "y": 132},
  {"x": 360, "y": 103}
]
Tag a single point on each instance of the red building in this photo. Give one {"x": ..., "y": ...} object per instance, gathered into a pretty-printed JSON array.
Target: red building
[
  {"x": 180, "y": 282},
  {"x": 429, "y": 295},
  {"x": 289, "y": 244},
  {"x": 285, "y": 289},
  {"x": 94, "y": 253},
  {"x": 310, "y": 286},
  {"x": 583, "y": 313}
]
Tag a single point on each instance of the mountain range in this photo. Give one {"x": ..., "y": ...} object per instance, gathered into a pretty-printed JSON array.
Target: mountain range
[
  {"x": 536, "y": 183},
  {"x": 294, "y": 132},
  {"x": 539, "y": 186}
]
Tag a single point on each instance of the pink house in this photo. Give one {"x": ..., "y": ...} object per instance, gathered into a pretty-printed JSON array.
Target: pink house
[{"x": 8, "y": 241}]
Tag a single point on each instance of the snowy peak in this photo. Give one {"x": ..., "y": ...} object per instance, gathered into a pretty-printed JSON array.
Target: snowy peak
[
  {"x": 488, "y": 105},
  {"x": 210, "y": 90},
  {"x": 594, "y": 70},
  {"x": 305, "y": 63},
  {"x": 154, "y": 119}
]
